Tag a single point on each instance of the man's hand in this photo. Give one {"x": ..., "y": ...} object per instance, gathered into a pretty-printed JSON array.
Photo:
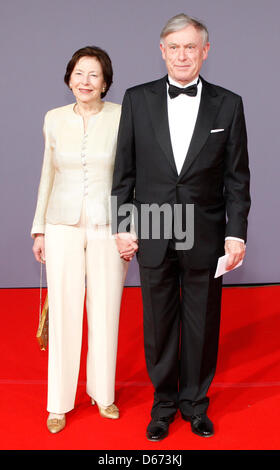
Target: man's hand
[
  {"x": 39, "y": 248},
  {"x": 127, "y": 245},
  {"x": 236, "y": 251}
]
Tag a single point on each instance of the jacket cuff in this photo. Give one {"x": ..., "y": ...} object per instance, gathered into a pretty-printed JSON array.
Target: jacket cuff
[{"x": 37, "y": 229}]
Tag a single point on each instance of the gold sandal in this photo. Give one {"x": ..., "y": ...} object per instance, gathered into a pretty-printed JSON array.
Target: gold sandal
[{"x": 110, "y": 411}]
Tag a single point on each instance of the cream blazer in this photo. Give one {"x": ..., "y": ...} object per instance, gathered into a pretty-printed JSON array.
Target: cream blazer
[{"x": 77, "y": 164}]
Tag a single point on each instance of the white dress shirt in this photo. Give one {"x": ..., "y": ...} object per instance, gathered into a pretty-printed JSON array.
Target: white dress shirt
[
  {"x": 182, "y": 114},
  {"x": 181, "y": 110}
]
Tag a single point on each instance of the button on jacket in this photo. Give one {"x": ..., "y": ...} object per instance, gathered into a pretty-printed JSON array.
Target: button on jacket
[{"x": 77, "y": 164}]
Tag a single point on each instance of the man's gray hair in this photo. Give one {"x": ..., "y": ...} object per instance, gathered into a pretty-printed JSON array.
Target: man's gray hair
[{"x": 181, "y": 21}]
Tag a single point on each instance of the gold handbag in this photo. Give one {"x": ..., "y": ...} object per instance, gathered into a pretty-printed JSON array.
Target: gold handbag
[{"x": 43, "y": 328}]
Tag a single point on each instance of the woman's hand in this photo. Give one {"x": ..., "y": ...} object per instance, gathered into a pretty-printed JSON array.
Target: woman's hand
[{"x": 39, "y": 248}]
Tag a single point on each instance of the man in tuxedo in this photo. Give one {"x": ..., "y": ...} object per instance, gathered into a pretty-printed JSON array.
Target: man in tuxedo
[{"x": 182, "y": 142}]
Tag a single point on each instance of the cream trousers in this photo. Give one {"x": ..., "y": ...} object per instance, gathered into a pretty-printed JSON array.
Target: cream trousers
[{"x": 73, "y": 254}]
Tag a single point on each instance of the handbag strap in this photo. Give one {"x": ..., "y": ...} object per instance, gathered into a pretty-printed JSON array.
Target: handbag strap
[{"x": 41, "y": 288}]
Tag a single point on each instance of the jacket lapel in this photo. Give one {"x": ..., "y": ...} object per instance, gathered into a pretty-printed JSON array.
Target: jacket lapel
[
  {"x": 209, "y": 106},
  {"x": 156, "y": 97}
]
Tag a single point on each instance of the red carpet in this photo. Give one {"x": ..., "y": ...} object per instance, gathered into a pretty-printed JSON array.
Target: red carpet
[{"x": 245, "y": 396}]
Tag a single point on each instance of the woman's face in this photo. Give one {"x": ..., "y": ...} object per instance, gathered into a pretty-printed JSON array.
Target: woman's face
[{"x": 87, "y": 81}]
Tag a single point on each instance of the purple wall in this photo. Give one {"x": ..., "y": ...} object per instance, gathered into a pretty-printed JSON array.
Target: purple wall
[{"x": 37, "y": 38}]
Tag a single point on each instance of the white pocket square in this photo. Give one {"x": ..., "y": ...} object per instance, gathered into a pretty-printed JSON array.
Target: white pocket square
[{"x": 216, "y": 130}]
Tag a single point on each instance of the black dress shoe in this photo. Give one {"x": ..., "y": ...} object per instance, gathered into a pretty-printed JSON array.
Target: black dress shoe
[
  {"x": 158, "y": 428},
  {"x": 200, "y": 425}
]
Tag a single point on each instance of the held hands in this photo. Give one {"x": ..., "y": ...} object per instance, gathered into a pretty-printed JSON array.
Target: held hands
[
  {"x": 236, "y": 250},
  {"x": 127, "y": 245},
  {"x": 39, "y": 248}
]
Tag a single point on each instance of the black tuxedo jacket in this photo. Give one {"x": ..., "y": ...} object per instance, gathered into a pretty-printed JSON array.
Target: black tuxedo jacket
[{"x": 214, "y": 177}]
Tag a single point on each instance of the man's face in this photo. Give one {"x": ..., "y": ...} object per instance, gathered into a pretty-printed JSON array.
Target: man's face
[{"x": 184, "y": 52}]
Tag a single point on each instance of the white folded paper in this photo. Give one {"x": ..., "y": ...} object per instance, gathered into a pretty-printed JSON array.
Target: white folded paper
[{"x": 222, "y": 266}]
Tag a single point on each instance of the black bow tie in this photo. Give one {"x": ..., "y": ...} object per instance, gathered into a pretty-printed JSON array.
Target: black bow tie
[{"x": 176, "y": 91}]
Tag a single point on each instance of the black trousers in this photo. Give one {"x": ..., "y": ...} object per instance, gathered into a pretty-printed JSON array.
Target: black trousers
[{"x": 181, "y": 308}]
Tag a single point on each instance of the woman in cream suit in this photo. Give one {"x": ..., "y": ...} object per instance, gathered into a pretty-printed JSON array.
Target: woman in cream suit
[{"x": 72, "y": 233}]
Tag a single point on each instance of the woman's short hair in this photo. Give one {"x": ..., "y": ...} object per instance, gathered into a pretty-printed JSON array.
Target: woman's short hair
[
  {"x": 181, "y": 21},
  {"x": 102, "y": 57}
]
